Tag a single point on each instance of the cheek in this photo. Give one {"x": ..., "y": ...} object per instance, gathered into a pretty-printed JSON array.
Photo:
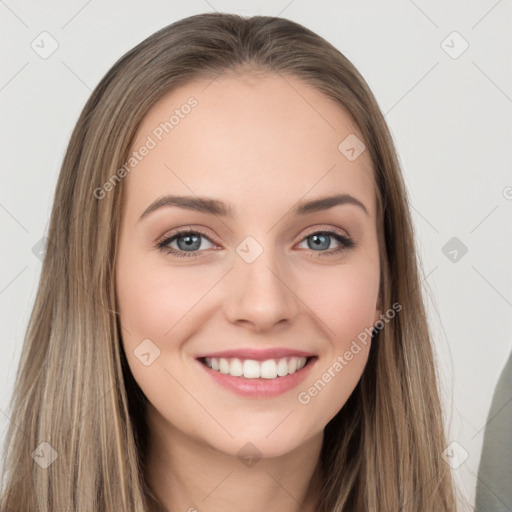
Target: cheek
[
  {"x": 354, "y": 309},
  {"x": 153, "y": 302},
  {"x": 344, "y": 300},
  {"x": 153, "y": 299}
]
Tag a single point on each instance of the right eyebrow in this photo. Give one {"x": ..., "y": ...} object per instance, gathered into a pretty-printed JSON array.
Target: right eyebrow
[{"x": 200, "y": 204}]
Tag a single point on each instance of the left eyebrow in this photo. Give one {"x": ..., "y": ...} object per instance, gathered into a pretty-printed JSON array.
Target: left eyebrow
[
  {"x": 217, "y": 207},
  {"x": 324, "y": 203}
]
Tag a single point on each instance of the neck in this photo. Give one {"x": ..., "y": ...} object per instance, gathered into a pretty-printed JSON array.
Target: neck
[{"x": 187, "y": 475}]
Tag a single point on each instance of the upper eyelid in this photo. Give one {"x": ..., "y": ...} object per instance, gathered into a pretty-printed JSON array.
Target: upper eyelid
[
  {"x": 329, "y": 230},
  {"x": 182, "y": 232}
]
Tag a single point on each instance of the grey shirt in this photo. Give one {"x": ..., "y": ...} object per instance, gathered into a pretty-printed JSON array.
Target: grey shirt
[{"x": 494, "y": 485}]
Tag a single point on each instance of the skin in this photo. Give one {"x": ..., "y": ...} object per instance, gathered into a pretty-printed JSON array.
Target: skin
[{"x": 260, "y": 143}]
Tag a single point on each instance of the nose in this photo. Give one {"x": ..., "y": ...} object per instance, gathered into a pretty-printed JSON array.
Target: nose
[{"x": 260, "y": 294}]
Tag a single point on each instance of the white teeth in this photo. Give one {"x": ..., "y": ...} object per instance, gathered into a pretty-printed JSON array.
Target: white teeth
[
  {"x": 224, "y": 366},
  {"x": 236, "y": 369},
  {"x": 251, "y": 369},
  {"x": 282, "y": 367},
  {"x": 269, "y": 369}
]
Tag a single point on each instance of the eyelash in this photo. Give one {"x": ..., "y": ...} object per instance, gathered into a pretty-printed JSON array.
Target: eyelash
[{"x": 345, "y": 241}]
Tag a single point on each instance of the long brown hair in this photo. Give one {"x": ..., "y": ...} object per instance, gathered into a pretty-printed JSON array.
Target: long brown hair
[{"x": 73, "y": 390}]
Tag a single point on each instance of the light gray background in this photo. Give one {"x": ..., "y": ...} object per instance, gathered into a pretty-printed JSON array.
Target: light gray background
[{"x": 450, "y": 118}]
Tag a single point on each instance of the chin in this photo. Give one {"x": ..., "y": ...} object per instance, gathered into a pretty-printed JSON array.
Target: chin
[{"x": 261, "y": 442}]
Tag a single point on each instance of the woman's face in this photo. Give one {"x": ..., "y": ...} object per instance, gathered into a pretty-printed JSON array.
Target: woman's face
[{"x": 266, "y": 278}]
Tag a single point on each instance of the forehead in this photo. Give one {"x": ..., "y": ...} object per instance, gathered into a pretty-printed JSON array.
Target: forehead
[{"x": 247, "y": 139}]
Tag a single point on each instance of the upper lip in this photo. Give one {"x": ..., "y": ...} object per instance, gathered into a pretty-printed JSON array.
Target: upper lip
[{"x": 257, "y": 354}]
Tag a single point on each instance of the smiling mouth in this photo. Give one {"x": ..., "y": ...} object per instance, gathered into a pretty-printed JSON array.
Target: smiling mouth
[{"x": 252, "y": 369}]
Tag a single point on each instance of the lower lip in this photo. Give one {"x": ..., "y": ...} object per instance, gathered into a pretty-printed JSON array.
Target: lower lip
[{"x": 260, "y": 388}]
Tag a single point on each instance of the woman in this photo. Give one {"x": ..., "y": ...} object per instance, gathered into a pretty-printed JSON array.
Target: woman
[{"x": 190, "y": 349}]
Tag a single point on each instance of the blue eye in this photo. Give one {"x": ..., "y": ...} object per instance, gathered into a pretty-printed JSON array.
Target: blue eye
[
  {"x": 189, "y": 243},
  {"x": 322, "y": 240}
]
